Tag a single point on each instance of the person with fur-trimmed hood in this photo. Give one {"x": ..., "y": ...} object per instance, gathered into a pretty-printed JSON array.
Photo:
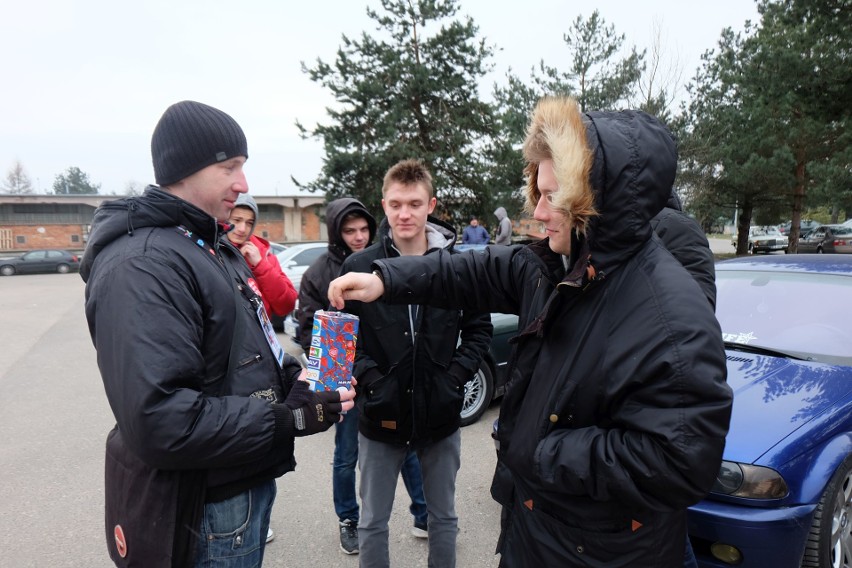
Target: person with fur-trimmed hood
[{"x": 616, "y": 411}]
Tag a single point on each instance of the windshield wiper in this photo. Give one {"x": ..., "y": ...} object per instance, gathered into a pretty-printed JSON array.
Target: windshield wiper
[{"x": 764, "y": 351}]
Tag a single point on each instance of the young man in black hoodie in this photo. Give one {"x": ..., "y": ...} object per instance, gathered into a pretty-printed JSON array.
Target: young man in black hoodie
[
  {"x": 411, "y": 364},
  {"x": 206, "y": 403},
  {"x": 351, "y": 228}
]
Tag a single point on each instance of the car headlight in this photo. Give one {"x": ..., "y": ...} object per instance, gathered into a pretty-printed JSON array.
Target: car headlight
[{"x": 749, "y": 481}]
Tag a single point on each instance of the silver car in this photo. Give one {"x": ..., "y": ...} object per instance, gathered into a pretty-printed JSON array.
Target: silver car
[
  {"x": 764, "y": 239},
  {"x": 827, "y": 239},
  {"x": 297, "y": 257}
]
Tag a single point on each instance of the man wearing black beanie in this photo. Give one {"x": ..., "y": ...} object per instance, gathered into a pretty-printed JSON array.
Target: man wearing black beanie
[{"x": 207, "y": 404}]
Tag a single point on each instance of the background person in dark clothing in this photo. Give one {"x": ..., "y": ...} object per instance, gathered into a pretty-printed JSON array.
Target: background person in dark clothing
[
  {"x": 206, "y": 402},
  {"x": 684, "y": 238},
  {"x": 617, "y": 408},
  {"x": 351, "y": 228}
]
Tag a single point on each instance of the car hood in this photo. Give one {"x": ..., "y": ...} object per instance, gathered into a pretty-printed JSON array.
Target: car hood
[{"x": 775, "y": 397}]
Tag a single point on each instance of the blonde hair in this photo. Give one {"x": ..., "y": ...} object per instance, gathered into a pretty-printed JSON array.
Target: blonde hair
[{"x": 556, "y": 132}]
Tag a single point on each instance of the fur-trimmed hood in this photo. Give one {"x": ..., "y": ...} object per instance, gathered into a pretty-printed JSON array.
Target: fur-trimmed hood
[{"x": 615, "y": 170}]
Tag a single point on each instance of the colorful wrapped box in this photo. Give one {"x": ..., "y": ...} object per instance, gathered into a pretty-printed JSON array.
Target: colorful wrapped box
[{"x": 332, "y": 352}]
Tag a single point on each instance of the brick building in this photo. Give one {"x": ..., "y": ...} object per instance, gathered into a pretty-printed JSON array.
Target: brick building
[{"x": 30, "y": 222}]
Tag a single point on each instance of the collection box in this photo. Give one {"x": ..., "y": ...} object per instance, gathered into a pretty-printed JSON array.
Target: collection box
[{"x": 332, "y": 352}]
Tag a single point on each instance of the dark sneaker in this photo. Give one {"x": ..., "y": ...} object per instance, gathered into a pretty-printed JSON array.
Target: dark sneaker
[
  {"x": 420, "y": 530},
  {"x": 349, "y": 537}
]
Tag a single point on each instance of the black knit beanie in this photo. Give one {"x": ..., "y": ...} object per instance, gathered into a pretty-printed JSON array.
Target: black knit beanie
[{"x": 191, "y": 136}]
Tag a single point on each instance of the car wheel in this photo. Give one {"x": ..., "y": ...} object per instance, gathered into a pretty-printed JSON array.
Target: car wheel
[
  {"x": 830, "y": 539},
  {"x": 62, "y": 269},
  {"x": 7, "y": 270},
  {"x": 478, "y": 393}
]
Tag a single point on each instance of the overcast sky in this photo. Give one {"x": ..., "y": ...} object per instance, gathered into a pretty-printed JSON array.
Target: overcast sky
[{"x": 85, "y": 81}]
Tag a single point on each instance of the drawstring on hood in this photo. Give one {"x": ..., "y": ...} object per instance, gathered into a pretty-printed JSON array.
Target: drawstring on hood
[{"x": 132, "y": 206}]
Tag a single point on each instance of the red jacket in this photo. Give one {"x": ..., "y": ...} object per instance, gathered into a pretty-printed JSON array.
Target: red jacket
[{"x": 278, "y": 293}]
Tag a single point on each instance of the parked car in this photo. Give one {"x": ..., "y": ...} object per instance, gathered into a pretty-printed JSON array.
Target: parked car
[
  {"x": 847, "y": 223},
  {"x": 489, "y": 382},
  {"x": 297, "y": 257},
  {"x": 277, "y": 248},
  {"x": 827, "y": 239},
  {"x": 295, "y": 260},
  {"x": 764, "y": 239},
  {"x": 783, "y": 496},
  {"x": 805, "y": 226},
  {"x": 45, "y": 260}
]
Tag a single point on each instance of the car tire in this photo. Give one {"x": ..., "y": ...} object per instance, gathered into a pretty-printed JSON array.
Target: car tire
[
  {"x": 830, "y": 538},
  {"x": 478, "y": 393},
  {"x": 7, "y": 270},
  {"x": 63, "y": 269}
]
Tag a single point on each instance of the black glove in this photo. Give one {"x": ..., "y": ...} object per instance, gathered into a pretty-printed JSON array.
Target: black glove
[{"x": 313, "y": 412}]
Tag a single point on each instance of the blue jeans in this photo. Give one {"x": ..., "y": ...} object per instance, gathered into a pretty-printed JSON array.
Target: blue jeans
[
  {"x": 343, "y": 474},
  {"x": 233, "y": 531}
]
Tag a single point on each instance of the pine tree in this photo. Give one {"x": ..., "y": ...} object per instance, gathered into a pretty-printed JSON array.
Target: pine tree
[{"x": 408, "y": 91}]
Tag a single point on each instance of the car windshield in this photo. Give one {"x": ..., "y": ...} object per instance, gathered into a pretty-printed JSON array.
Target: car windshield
[{"x": 805, "y": 315}]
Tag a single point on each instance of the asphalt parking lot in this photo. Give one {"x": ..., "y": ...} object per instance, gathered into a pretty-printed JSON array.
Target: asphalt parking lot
[{"x": 54, "y": 418}]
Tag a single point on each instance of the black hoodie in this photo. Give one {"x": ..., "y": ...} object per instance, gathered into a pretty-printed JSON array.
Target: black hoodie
[{"x": 313, "y": 290}]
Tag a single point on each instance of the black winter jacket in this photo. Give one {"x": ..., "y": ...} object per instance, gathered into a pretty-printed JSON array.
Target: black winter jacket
[
  {"x": 412, "y": 391},
  {"x": 313, "y": 291},
  {"x": 684, "y": 238},
  {"x": 161, "y": 308},
  {"x": 616, "y": 411}
]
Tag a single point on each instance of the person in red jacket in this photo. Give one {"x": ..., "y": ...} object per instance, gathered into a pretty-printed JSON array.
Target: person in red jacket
[{"x": 278, "y": 293}]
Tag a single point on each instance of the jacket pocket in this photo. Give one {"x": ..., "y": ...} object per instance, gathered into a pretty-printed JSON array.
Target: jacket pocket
[
  {"x": 536, "y": 538},
  {"x": 445, "y": 400},
  {"x": 381, "y": 402}
]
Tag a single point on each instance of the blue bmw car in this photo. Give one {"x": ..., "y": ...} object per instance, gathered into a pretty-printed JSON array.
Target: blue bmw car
[{"x": 783, "y": 497}]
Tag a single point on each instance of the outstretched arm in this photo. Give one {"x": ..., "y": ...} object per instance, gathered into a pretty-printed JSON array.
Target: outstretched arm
[{"x": 358, "y": 286}]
